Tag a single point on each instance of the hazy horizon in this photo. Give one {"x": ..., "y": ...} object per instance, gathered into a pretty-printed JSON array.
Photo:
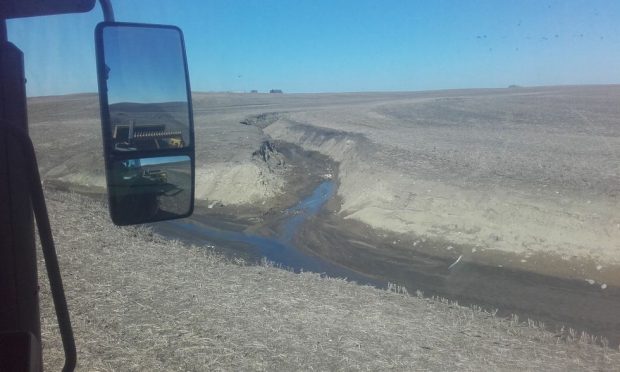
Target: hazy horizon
[
  {"x": 343, "y": 92},
  {"x": 347, "y": 46}
]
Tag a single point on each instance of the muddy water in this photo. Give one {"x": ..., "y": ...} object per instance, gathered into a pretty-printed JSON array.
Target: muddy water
[
  {"x": 306, "y": 237},
  {"x": 555, "y": 301},
  {"x": 278, "y": 249}
]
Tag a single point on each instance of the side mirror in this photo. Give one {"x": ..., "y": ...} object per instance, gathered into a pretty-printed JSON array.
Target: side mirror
[{"x": 146, "y": 121}]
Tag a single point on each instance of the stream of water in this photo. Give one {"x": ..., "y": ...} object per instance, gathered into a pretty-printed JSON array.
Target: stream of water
[
  {"x": 280, "y": 248},
  {"x": 512, "y": 292}
]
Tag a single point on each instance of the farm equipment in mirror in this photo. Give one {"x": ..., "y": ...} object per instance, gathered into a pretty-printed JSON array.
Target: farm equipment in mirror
[{"x": 147, "y": 121}]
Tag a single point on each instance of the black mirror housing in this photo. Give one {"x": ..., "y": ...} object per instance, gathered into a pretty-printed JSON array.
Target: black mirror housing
[{"x": 146, "y": 121}]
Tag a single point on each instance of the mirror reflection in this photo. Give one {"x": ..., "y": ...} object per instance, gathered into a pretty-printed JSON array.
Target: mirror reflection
[
  {"x": 147, "y": 90},
  {"x": 150, "y": 189}
]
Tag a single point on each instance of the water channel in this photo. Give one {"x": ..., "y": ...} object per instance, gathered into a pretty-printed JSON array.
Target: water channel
[
  {"x": 280, "y": 249},
  {"x": 557, "y": 302}
]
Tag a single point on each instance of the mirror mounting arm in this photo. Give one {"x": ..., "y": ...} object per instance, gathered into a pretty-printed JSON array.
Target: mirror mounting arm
[{"x": 108, "y": 12}]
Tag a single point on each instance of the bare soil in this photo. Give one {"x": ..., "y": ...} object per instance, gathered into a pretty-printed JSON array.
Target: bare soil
[
  {"x": 526, "y": 172},
  {"x": 509, "y": 180},
  {"x": 140, "y": 302}
]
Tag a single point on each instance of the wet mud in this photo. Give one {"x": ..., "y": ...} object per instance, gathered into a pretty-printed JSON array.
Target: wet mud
[
  {"x": 303, "y": 232},
  {"x": 557, "y": 302}
]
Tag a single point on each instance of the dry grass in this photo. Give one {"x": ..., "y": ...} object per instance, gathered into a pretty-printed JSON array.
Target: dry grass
[{"x": 139, "y": 302}]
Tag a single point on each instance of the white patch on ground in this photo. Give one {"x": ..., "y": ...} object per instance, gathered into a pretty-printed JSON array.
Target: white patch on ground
[
  {"x": 387, "y": 181},
  {"x": 85, "y": 179},
  {"x": 244, "y": 183}
]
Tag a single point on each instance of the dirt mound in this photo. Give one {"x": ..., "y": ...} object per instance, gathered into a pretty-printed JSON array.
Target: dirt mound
[{"x": 268, "y": 154}]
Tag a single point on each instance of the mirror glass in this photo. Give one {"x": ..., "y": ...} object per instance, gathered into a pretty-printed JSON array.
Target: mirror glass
[
  {"x": 150, "y": 189},
  {"x": 147, "y": 123},
  {"x": 147, "y": 91}
]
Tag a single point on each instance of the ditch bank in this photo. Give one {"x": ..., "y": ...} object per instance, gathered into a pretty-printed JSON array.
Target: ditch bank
[
  {"x": 310, "y": 237},
  {"x": 493, "y": 221},
  {"x": 303, "y": 229},
  {"x": 323, "y": 241}
]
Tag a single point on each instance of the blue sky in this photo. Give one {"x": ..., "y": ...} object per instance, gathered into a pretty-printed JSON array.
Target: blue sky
[{"x": 331, "y": 45}]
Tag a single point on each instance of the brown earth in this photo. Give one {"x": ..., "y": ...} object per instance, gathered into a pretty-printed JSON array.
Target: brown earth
[
  {"x": 140, "y": 302},
  {"x": 519, "y": 179}
]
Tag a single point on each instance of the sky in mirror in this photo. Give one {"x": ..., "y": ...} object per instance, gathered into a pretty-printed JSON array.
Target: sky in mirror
[
  {"x": 145, "y": 65},
  {"x": 164, "y": 160},
  {"x": 349, "y": 45}
]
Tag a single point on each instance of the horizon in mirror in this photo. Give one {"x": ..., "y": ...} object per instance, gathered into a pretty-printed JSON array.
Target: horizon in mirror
[{"x": 147, "y": 90}]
